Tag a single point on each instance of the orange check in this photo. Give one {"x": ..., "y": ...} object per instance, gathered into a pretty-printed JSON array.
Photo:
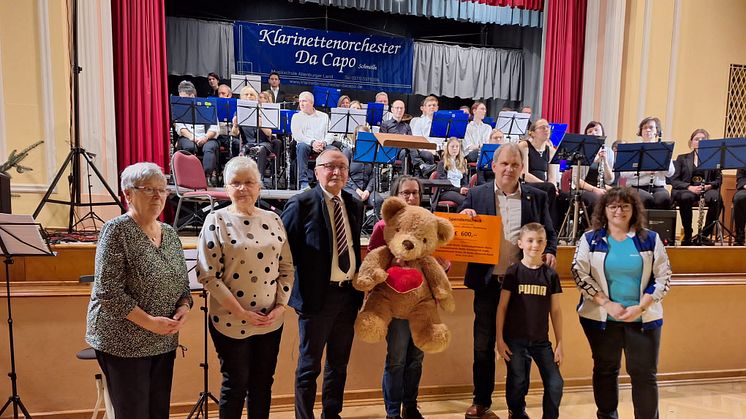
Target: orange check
[{"x": 475, "y": 240}]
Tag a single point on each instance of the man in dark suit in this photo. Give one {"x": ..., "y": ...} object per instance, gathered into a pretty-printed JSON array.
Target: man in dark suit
[
  {"x": 517, "y": 205},
  {"x": 323, "y": 228},
  {"x": 278, "y": 95},
  {"x": 688, "y": 182}
]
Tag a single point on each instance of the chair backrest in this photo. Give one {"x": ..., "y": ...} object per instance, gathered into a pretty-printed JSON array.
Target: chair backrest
[
  {"x": 566, "y": 181},
  {"x": 188, "y": 171},
  {"x": 473, "y": 181},
  {"x": 433, "y": 176}
]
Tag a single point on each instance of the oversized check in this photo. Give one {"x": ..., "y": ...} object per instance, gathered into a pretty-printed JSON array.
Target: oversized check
[{"x": 475, "y": 240}]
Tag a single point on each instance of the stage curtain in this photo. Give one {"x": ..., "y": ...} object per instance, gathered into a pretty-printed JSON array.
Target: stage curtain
[
  {"x": 463, "y": 10},
  {"x": 474, "y": 73},
  {"x": 197, "y": 47},
  {"x": 563, "y": 62},
  {"x": 140, "y": 82}
]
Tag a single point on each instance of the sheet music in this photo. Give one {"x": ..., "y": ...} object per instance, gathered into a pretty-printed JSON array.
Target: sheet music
[
  {"x": 190, "y": 255},
  {"x": 21, "y": 239},
  {"x": 345, "y": 120},
  {"x": 270, "y": 113},
  {"x": 512, "y": 123},
  {"x": 238, "y": 81}
]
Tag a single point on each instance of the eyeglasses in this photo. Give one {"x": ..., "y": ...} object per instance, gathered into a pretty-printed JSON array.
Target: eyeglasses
[
  {"x": 241, "y": 185},
  {"x": 623, "y": 207},
  {"x": 330, "y": 167},
  {"x": 152, "y": 191},
  {"x": 407, "y": 194}
]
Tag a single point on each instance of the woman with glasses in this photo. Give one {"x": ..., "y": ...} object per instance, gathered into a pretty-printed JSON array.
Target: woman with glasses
[
  {"x": 244, "y": 262},
  {"x": 403, "y": 369},
  {"x": 140, "y": 298},
  {"x": 622, "y": 271}
]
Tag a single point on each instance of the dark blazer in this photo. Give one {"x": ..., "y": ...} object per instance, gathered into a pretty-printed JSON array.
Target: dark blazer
[
  {"x": 534, "y": 208},
  {"x": 684, "y": 169},
  {"x": 309, "y": 229},
  {"x": 280, "y": 95},
  {"x": 361, "y": 176},
  {"x": 740, "y": 179},
  {"x": 443, "y": 174}
]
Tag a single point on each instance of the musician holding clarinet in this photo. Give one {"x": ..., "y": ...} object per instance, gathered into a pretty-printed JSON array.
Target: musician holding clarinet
[{"x": 694, "y": 186}]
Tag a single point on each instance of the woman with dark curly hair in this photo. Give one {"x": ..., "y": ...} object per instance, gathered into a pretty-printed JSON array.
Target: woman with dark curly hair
[{"x": 622, "y": 271}]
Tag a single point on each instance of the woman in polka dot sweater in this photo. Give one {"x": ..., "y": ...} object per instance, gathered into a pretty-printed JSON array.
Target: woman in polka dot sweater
[{"x": 245, "y": 263}]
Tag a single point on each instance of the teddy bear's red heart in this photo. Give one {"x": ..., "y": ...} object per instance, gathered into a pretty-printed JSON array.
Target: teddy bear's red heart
[{"x": 403, "y": 280}]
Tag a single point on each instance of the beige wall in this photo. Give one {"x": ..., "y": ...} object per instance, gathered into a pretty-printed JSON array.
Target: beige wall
[
  {"x": 34, "y": 99},
  {"x": 711, "y": 37}
]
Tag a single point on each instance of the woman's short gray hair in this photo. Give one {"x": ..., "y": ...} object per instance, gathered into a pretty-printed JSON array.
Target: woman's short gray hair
[
  {"x": 139, "y": 173},
  {"x": 239, "y": 164}
]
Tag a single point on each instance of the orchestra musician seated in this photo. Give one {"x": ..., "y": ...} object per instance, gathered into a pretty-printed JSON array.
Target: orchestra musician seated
[
  {"x": 257, "y": 142},
  {"x": 690, "y": 185},
  {"x": 309, "y": 128},
  {"x": 199, "y": 138},
  {"x": 453, "y": 167},
  {"x": 651, "y": 185}
]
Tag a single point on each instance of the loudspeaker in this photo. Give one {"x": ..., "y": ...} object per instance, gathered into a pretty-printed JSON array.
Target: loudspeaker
[{"x": 663, "y": 222}]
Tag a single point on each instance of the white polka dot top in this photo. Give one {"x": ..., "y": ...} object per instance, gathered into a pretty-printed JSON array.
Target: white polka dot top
[{"x": 247, "y": 258}]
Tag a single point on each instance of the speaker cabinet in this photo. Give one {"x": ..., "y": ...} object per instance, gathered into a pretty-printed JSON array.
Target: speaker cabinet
[{"x": 663, "y": 222}]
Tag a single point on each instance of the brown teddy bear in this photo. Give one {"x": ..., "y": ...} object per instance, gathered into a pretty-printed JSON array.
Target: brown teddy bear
[{"x": 403, "y": 279}]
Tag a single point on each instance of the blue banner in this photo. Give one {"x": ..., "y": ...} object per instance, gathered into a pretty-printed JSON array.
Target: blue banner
[{"x": 311, "y": 57}]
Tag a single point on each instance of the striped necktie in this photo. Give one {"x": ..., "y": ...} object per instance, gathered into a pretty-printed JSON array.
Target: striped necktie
[{"x": 343, "y": 254}]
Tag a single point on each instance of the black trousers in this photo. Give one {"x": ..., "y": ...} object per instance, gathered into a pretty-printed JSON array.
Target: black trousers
[
  {"x": 640, "y": 349},
  {"x": 687, "y": 200},
  {"x": 656, "y": 197},
  {"x": 139, "y": 387},
  {"x": 739, "y": 210},
  {"x": 485, "y": 330},
  {"x": 330, "y": 329},
  {"x": 248, "y": 368},
  {"x": 209, "y": 152}
]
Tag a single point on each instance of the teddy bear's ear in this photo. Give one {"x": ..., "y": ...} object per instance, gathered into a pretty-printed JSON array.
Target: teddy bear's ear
[
  {"x": 445, "y": 231},
  {"x": 391, "y": 206}
]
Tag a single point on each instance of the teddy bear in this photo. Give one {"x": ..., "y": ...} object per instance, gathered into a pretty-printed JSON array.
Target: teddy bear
[{"x": 404, "y": 280}]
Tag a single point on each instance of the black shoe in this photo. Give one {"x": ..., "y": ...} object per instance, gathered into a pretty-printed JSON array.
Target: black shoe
[
  {"x": 394, "y": 417},
  {"x": 411, "y": 413},
  {"x": 703, "y": 241}
]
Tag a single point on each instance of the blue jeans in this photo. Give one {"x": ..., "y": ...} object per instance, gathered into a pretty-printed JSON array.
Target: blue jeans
[
  {"x": 403, "y": 369},
  {"x": 519, "y": 377}
]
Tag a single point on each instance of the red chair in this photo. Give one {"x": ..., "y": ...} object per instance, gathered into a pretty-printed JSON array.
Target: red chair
[
  {"x": 473, "y": 181},
  {"x": 191, "y": 186},
  {"x": 440, "y": 203}
]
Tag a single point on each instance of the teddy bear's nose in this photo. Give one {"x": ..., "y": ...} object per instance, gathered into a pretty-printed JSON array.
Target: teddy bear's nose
[{"x": 408, "y": 244}]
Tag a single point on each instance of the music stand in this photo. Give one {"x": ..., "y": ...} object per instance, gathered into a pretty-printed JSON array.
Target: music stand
[
  {"x": 375, "y": 113},
  {"x": 286, "y": 117},
  {"x": 643, "y": 157},
  {"x": 193, "y": 111},
  {"x": 513, "y": 123},
  {"x": 721, "y": 154},
  {"x": 239, "y": 81},
  {"x": 447, "y": 124},
  {"x": 345, "y": 120},
  {"x": 490, "y": 121},
  {"x": 200, "y": 408},
  {"x": 577, "y": 150},
  {"x": 557, "y": 132},
  {"x": 486, "y": 154},
  {"x": 326, "y": 97},
  {"x": 19, "y": 236},
  {"x": 368, "y": 149}
]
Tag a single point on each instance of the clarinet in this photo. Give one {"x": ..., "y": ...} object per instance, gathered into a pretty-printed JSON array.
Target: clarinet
[
  {"x": 600, "y": 182},
  {"x": 701, "y": 217}
]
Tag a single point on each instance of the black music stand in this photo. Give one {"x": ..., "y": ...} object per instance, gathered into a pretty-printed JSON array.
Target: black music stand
[
  {"x": 577, "y": 150},
  {"x": 721, "y": 154},
  {"x": 639, "y": 157},
  {"x": 326, "y": 97},
  {"x": 486, "y": 155},
  {"x": 448, "y": 124},
  {"x": 369, "y": 150},
  {"x": 201, "y": 407},
  {"x": 19, "y": 236}
]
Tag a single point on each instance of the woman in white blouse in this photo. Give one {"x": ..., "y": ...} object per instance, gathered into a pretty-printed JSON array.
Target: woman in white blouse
[{"x": 244, "y": 262}]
